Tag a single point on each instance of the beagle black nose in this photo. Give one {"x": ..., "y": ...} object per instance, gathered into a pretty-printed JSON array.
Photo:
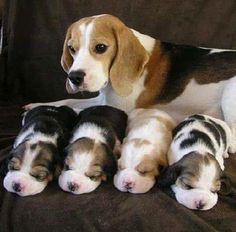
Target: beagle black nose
[
  {"x": 72, "y": 186},
  {"x": 77, "y": 77},
  {"x": 200, "y": 205},
  {"x": 16, "y": 187}
]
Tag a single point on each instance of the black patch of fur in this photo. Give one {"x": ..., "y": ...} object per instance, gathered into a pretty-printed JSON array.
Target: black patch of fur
[
  {"x": 52, "y": 120},
  {"x": 221, "y": 131},
  {"x": 180, "y": 126},
  {"x": 197, "y": 136},
  {"x": 113, "y": 120}
]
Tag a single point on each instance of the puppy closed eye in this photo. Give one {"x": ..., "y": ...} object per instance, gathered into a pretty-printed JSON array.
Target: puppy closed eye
[
  {"x": 40, "y": 176},
  {"x": 71, "y": 49},
  {"x": 67, "y": 167},
  {"x": 121, "y": 167},
  {"x": 95, "y": 176},
  {"x": 186, "y": 185},
  {"x": 12, "y": 166}
]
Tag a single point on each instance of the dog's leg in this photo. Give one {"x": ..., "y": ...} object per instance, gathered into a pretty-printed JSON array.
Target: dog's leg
[
  {"x": 228, "y": 104},
  {"x": 76, "y": 104},
  {"x": 68, "y": 102}
]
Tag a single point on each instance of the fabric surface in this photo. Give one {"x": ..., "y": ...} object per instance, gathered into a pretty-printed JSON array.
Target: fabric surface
[{"x": 30, "y": 71}]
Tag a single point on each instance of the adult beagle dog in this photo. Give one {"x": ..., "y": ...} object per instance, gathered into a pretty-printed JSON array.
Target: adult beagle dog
[{"x": 133, "y": 70}]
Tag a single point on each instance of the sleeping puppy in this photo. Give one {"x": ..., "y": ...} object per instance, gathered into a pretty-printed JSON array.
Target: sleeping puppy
[
  {"x": 149, "y": 135},
  {"x": 91, "y": 154},
  {"x": 35, "y": 156},
  {"x": 196, "y": 161}
]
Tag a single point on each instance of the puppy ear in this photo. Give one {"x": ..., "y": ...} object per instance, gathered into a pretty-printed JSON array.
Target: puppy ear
[
  {"x": 4, "y": 164},
  {"x": 129, "y": 61},
  {"x": 226, "y": 187},
  {"x": 66, "y": 58},
  {"x": 110, "y": 165},
  {"x": 169, "y": 175}
]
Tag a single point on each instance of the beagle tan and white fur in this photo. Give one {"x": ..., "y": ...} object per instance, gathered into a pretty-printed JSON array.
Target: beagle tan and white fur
[
  {"x": 93, "y": 149},
  {"x": 196, "y": 158},
  {"x": 133, "y": 70},
  {"x": 144, "y": 151}
]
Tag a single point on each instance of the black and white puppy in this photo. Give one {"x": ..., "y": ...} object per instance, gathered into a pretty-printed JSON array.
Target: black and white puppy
[
  {"x": 196, "y": 158},
  {"x": 91, "y": 154},
  {"x": 36, "y": 153}
]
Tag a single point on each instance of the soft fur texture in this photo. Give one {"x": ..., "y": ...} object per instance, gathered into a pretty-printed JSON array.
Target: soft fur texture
[
  {"x": 36, "y": 156},
  {"x": 196, "y": 159},
  {"x": 133, "y": 70},
  {"x": 93, "y": 149},
  {"x": 144, "y": 150}
]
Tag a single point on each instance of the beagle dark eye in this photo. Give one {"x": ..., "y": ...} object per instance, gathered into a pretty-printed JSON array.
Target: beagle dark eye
[
  {"x": 100, "y": 48},
  {"x": 72, "y": 50}
]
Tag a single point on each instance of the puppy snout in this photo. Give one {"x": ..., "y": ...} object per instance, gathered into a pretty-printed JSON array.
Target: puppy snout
[
  {"x": 73, "y": 186},
  {"x": 128, "y": 185},
  {"x": 16, "y": 187},
  {"x": 200, "y": 205},
  {"x": 77, "y": 77}
]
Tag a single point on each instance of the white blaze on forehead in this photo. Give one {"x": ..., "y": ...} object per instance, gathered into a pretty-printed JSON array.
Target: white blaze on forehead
[
  {"x": 91, "y": 131},
  {"x": 207, "y": 176},
  {"x": 82, "y": 57},
  {"x": 133, "y": 155},
  {"x": 81, "y": 162},
  {"x": 29, "y": 157}
]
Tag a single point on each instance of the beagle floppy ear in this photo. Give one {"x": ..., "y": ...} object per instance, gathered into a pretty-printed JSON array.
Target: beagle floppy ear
[
  {"x": 110, "y": 165},
  {"x": 128, "y": 63},
  {"x": 66, "y": 58},
  {"x": 226, "y": 187},
  {"x": 169, "y": 175}
]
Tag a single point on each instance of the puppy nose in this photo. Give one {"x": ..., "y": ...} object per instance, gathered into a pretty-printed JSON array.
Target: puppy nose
[
  {"x": 200, "y": 205},
  {"x": 72, "y": 186},
  {"x": 16, "y": 187},
  {"x": 77, "y": 77},
  {"x": 128, "y": 185}
]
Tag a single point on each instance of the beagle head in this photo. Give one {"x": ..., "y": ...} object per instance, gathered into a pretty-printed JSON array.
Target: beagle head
[
  {"x": 101, "y": 49},
  {"x": 87, "y": 164},
  {"x": 30, "y": 167},
  {"x": 196, "y": 179},
  {"x": 137, "y": 167}
]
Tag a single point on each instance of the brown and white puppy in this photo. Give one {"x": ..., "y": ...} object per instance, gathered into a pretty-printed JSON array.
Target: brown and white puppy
[
  {"x": 91, "y": 154},
  {"x": 36, "y": 155},
  {"x": 134, "y": 70},
  {"x": 196, "y": 159},
  {"x": 144, "y": 151}
]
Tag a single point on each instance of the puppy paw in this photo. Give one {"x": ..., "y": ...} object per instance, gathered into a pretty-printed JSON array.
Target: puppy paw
[
  {"x": 31, "y": 106},
  {"x": 226, "y": 155}
]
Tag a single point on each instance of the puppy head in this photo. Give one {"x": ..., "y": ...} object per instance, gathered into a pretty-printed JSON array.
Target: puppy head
[
  {"x": 195, "y": 179},
  {"x": 101, "y": 48},
  {"x": 86, "y": 165},
  {"x": 137, "y": 167},
  {"x": 30, "y": 168}
]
